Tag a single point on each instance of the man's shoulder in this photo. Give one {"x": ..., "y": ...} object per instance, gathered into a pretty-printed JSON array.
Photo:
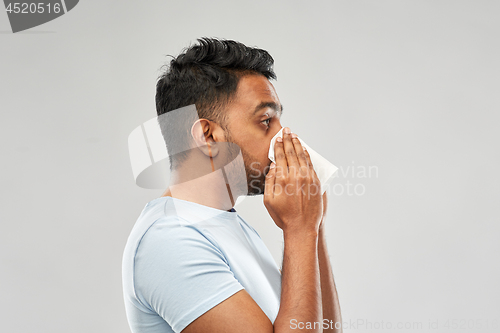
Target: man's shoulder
[{"x": 249, "y": 226}]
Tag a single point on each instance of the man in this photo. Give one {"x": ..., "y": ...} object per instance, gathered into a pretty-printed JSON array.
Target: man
[{"x": 191, "y": 263}]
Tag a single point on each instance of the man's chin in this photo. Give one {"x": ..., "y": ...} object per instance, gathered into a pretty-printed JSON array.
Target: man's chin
[
  {"x": 252, "y": 194},
  {"x": 255, "y": 187}
]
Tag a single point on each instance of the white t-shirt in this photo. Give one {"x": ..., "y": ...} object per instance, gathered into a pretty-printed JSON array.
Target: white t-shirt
[{"x": 183, "y": 258}]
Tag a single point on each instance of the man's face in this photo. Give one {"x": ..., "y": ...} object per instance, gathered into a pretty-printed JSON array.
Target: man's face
[{"x": 253, "y": 119}]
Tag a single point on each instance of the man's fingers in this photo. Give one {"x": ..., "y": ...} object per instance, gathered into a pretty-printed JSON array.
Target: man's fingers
[
  {"x": 279, "y": 157},
  {"x": 301, "y": 156},
  {"x": 290, "y": 153},
  {"x": 269, "y": 184},
  {"x": 309, "y": 163},
  {"x": 325, "y": 204},
  {"x": 308, "y": 158}
]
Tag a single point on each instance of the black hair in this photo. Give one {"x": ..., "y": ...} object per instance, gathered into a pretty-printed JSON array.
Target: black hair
[{"x": 205, "y": 74}]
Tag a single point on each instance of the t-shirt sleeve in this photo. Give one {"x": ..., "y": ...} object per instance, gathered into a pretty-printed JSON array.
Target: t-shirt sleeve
[{"x": 180, "y": 274}]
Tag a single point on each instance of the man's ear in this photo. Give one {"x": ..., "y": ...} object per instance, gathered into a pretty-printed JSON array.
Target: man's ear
[{"x": 202, "y": 132}]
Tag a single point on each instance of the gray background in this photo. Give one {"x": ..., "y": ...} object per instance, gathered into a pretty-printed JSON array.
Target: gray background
[{"x": 408, "y": 87}]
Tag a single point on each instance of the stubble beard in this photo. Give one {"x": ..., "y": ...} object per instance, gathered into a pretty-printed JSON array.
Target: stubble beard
[{"x": 255, "y": 178}]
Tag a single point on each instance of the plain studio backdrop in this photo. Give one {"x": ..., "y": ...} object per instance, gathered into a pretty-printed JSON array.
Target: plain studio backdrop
[{"x": 402, "y": 96}]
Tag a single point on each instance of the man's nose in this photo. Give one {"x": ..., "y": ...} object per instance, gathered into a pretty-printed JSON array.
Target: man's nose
[{"x": 276, "y": 129}]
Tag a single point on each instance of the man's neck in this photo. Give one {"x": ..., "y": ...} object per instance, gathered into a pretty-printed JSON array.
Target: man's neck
[{"x": 209, "y": 190}]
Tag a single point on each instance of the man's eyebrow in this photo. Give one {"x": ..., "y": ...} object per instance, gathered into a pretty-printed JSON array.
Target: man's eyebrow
[{"x": 277, "y": 108}]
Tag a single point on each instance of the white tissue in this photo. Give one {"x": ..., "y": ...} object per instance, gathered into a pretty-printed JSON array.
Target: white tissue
[{"x": 324, "y": 169}]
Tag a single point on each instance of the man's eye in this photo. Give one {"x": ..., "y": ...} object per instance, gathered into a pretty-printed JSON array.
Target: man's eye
[{"x": 266, "y": 122}]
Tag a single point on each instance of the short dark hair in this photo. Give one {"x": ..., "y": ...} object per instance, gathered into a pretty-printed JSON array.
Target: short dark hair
[{"x": 205, "y": 74}]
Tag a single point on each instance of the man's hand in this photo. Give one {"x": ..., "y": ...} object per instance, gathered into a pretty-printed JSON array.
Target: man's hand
[
  {"x": 292, "y": 197},
  {"x": 323, "y": 217},
  {"x": 292, "y": 192}
]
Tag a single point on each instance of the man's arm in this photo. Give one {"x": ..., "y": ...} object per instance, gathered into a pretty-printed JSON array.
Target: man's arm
[
  {"x": 298, "y": 214},
  {"x": 300, "y": 297},
  {"x": 300, "y": 301},
  {"x": 290, "y": 201},
  {"x": 329, "y": 297}
]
